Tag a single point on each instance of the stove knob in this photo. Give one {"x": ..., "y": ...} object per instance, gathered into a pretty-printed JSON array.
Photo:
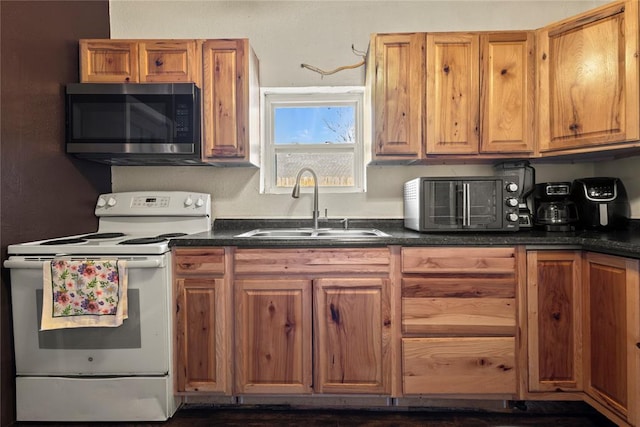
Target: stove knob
[
  {"x": 188, "y": 201},
  {"x": 101, "y": 202},
  {"x": 511, "y": 202},
  {"x": 512, "y": 217},
  {"x": 199, "y": 202},
  {"x": 511, "y": 187},
  {"x": 111, "y": 201}
]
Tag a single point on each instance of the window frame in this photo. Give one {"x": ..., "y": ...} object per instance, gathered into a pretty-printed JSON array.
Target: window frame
[{"x": 273, "y": 97}]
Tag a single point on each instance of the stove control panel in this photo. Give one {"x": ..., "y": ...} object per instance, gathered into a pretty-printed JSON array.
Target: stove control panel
[{"x": 154, "y": 203}]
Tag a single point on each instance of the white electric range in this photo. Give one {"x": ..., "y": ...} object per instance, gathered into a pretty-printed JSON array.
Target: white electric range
[{"x": 97, "y": 373}]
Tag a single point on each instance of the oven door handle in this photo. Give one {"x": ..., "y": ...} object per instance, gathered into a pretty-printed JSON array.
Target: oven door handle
[{"x": 35, "y": 263}]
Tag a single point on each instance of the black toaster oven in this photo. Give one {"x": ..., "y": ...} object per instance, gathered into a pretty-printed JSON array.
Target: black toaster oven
[{"x": 461, "y": 203}]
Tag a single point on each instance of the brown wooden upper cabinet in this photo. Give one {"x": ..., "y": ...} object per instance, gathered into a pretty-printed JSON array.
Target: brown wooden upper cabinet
[
  {"x": 231, "y": 101},
  {"x": 397, "y": 84},
  {"x": 588, "y": 80},
  {"x": 452, "y": 94},
  {"x": 139, "y": 61}
]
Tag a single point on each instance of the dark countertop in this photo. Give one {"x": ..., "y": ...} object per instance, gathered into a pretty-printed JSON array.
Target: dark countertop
[{"x": 620, "y": 242}]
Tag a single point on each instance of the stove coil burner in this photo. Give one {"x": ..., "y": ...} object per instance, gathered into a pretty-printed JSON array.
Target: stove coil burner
[
  {"x": 103, "y": 235},
  {"x": 143, "y": 241},
  {"x": 170, "y": 235},
  {"x": 71, "y": 241}
]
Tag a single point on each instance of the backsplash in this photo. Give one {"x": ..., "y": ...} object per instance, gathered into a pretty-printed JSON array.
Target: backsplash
[{"x": 235, "y": 191}]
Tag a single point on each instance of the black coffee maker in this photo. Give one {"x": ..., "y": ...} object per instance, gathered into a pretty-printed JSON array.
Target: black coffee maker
[{"x": 554, "y": 209}]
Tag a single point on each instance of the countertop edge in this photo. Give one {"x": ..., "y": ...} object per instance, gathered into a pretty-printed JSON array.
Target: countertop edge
[{"x": 620, "y": 242}]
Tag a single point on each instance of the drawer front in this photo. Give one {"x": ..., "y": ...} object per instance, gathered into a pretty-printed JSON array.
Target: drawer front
[
  {"x": 459, "y": 261},
  {"x": 459, "y": 316},
  {"x": 198, "y": 261},
  {"x": 482, "y": 365},
  {"x": 454, "y": 306},
  {"x": 277, "y": 261}
]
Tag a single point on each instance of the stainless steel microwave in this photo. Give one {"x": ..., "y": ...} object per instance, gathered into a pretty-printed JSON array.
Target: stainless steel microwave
[
  {"x": 461, "y": 204},
  {"x": 134, "y": 123}
]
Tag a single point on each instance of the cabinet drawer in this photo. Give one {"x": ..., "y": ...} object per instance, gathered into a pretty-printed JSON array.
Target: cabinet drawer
[
  {"x": 459, "y": 316},
  {"x": 459, "y": 365},
  {"x": 314, "y": 261},
  {"x": 461, "y": 260},
  {"x": 198, "y": 261}
]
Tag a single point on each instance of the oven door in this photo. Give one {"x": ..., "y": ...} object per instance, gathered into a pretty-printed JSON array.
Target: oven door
[{"x": 140, "y": 346}]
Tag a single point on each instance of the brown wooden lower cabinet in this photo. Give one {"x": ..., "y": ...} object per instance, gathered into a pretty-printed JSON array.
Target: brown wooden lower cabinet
[
  {"x": 554, "y": 301},
  {"x": 340, "y": 346},
  {"x": 273, "y": 336},
  {"x": 308, "y": 321},
  {"x": 202, "y": 321},
  {"x": 352, "y": 335},
  {"x": 612, "y": 334},
  {"x": 459, "y": 321}
]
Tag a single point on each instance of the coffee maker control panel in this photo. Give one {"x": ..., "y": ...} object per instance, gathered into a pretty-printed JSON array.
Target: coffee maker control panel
[{"x": 557, "y": 189}]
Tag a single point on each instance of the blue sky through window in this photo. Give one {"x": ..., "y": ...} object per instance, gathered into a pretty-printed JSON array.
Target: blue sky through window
[{"x": 314, "y": 125}]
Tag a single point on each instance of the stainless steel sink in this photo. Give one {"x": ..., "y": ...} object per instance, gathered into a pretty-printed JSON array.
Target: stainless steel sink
[{"x": 310, "y": 233}]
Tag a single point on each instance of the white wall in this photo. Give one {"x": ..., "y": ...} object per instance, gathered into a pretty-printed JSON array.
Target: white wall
[{"x": 285, "y": 34}]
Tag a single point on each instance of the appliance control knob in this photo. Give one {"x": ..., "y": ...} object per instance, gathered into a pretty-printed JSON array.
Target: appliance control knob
[
  {"x": 512, "y": 202},
  {"x": 188, "y": 201},
  {"x": 111, "y": 201},
  {"x": 199, "y": 202},
  {"x": 101, "y": 202},
  {"x": 511, "y": 187},
  {"x": 512, "y": 217}
]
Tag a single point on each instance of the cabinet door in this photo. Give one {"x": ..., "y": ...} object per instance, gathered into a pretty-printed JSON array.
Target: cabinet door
[
  {"x": 453, "y": 93},
  {"x": 398, "y": 94},
  {"x": 612, "y": 333},
  {"x": 225, "y": 98},
  {"x": 352, "y": 336},
  {"x": 273, "y": 336},
  {"x": 507, "y": 92},
  {"x": 108, "y": 61},
  {"x": 168, "y": 61},
  {"x": 588, "y": 79},
  {"x": 554, "y": 294},
  {"x": 201, "y": 328}
]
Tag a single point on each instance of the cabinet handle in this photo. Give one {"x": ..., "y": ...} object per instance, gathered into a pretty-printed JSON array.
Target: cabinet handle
[{"x": 158, "y": 62}]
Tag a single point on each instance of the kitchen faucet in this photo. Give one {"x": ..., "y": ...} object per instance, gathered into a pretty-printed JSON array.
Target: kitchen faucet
[{"x": 296, "y": 193}]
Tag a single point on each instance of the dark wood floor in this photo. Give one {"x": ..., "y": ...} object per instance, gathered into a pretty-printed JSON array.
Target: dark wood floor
[{"x": 211, "y": 416}]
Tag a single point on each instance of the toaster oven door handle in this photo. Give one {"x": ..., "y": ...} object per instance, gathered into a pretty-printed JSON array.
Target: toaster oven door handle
[{"x": 466, "y": 206}]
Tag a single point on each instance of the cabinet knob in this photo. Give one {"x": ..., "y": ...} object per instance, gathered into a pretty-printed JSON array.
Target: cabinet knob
[{"x": 638, "y": 344}]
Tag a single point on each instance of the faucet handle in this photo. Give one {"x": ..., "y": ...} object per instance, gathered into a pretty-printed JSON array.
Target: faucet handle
[{"x": 345, "y": 222}]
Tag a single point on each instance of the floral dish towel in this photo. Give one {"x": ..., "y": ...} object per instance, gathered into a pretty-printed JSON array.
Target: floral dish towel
[{"x": 83, "y": 293}]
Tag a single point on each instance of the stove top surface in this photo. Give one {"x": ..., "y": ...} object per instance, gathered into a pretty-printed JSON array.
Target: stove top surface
[
  {"x": 131, "y": 223},
  {"x": 96, "y": 244}
]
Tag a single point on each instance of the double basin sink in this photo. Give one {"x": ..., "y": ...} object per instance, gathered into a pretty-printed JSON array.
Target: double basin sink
[{"x": 310, "y": 233}]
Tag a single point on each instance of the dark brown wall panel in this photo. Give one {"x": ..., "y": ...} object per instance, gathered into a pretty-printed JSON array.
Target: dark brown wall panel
[{"x": 44, "y": 192}]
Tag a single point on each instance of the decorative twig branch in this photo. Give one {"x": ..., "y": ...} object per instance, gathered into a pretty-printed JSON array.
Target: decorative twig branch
[{"x": 344, "y": 67}]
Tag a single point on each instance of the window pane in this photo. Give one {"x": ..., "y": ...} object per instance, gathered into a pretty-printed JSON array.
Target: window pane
[
  {"x": 333, "y": 169},
  {"x": 314, "y": 125}
]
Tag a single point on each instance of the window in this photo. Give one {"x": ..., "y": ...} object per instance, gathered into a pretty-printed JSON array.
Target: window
[{"x": 319, "y": 128}]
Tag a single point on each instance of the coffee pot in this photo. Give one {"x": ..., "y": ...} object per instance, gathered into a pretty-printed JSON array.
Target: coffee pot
[{"x": 554, "y": 210}]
